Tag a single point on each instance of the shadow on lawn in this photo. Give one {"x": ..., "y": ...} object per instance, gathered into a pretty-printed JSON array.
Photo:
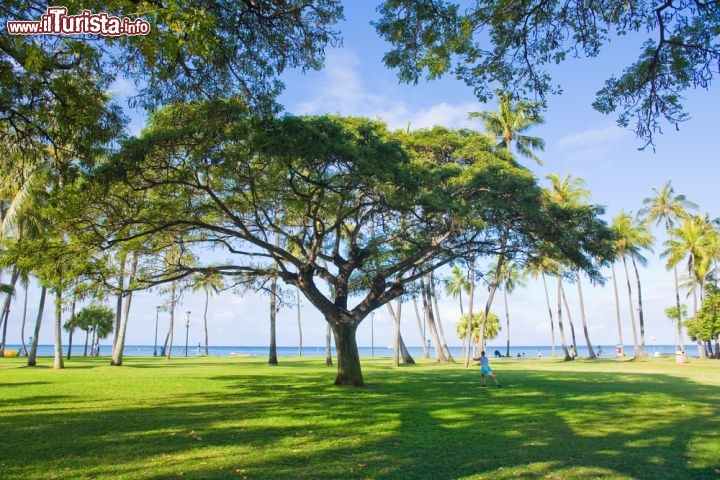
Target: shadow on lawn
[{"x": 289, "y": 423}]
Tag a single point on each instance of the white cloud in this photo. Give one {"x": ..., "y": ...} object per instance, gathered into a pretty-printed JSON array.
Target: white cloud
[
  {"x": 341, "y": 89},
  {"x": 594, "y": 137}
]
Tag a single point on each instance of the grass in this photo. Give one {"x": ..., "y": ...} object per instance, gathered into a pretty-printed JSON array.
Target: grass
[{"x": 238, "y": 418}]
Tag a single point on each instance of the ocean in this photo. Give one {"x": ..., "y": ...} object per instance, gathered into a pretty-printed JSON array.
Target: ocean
[{"x": 532, "y": 351}]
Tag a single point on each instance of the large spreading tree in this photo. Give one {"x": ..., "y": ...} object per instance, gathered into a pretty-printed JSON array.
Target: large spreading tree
[{"x": 358, "y": 211}]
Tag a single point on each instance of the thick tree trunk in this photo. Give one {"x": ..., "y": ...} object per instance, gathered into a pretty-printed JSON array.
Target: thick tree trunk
[
  {"x": 552, "y": 324},
  {"x": 349, "y": 372},
  {"x": 617, "y": 304},
  {"x": 32, "y": 355},
  {"x": 591, "y": 352}
]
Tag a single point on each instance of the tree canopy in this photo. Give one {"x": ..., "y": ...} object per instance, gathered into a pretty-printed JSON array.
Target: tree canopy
[
  {"x": 355, "y": 208},
  {"x": 513, "y": 44}
]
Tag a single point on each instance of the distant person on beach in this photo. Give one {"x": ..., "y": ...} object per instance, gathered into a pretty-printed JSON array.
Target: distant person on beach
[
  {"x": 485, "y": 369},
  {"x": 539, "y": 353},
  {"x": 497, "y": 354},
  {"x": 599, "y": 352}
]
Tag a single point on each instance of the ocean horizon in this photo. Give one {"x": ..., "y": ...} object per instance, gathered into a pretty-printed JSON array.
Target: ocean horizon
[{"x": 532, "y": 351}]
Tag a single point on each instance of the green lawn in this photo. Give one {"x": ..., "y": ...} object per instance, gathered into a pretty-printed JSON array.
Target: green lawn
[{"x": 240, "y": 418}]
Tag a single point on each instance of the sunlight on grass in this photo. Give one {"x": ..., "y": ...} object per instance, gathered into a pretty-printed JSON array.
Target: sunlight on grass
[{"x": 239, "y": 418}]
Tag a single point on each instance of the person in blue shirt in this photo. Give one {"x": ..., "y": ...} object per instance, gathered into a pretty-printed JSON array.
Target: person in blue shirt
[{"x": 486, "y": 370}]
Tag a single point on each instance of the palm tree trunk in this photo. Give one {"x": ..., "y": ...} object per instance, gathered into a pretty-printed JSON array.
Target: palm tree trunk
[
  {"x": 58, "y": 362},
  {"x": 207, "y": 339},
  {"x": 567, "y": 309},
  {"x": 32, "y": 355},
  {"x": 171, "y": 327},
  {"x": 117, "y": 355},
  {"x": 552, "y": 325},
  {"x": 72, "y": 325},
  {"x": 681, "y": 342},
  {"x": 396, "y": 331},
  {"x": 272, "y": 356},
  {"x": 404, "y": 353},
  {"x": 24, "y": 318},
  {"x": 507, "y": 324},
  {"x": 5, "y": 315},
  {"x": 471, "y": 296},
  {"x": 328, "y": 346},
  {"x": 632, "y": 313},
  {"x": 591, "y": 353},
  {"x": 491, "y": 296},
  {"x": 617, "y": 305},
  {"x": 118, "y": 303},
  {"x": 439, "y": 354},
  {"x": 441, "y": 331},
  {"x": 426, "y": 353},
  {"x": 87, "y": 336},
  {"x": 300, "y": 339},
  {"x": 641, "y": 318},
  {"x": 561, "y": 328}
]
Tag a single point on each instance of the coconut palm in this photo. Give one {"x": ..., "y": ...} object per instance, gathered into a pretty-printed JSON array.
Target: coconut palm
[
  {"x": 456, "y": 284},
  {"x": 511, "y": 277},
  {"x": 632, "y": 236},
  {"x": 208, "y": 282},
  {"x": 538, "y": 266},
  {"x": 492, "y": 327},
  {"x": 667, "y": 207},
  {"x": 696, "y": 242},
  {"x": 569, "y": 191},
  {"x": 510, "y": 122}
]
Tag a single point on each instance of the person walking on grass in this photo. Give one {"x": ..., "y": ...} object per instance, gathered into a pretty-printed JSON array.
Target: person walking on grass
[{"x": 485, "y": 369}]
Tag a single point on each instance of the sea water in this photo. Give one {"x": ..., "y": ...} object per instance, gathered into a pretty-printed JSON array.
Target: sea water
[{"x": 524, "y": 351}]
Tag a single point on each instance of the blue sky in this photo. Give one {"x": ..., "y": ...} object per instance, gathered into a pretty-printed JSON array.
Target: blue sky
[{"x": 579, "y": 142}]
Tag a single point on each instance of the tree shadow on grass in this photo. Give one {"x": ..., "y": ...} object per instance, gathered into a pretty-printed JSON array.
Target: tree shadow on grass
[{"x": 420, "y": 423}]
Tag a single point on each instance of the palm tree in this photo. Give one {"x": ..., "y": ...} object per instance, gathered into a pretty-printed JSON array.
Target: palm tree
[
  {"x": 209, "y": 282},
  {"x": 668, "y": 207},
  {"x": 492, "y": 327},
  {"x": 510, "y": 278},
  {"x": 456, "y": 284},
  {"x": 569, "y": 191},
  {"x": 695, "y": 241},
  {"x": 625, "y": 247},
  {"x": 539, "y": 266},
  {"x": 510, "y": 122}
]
